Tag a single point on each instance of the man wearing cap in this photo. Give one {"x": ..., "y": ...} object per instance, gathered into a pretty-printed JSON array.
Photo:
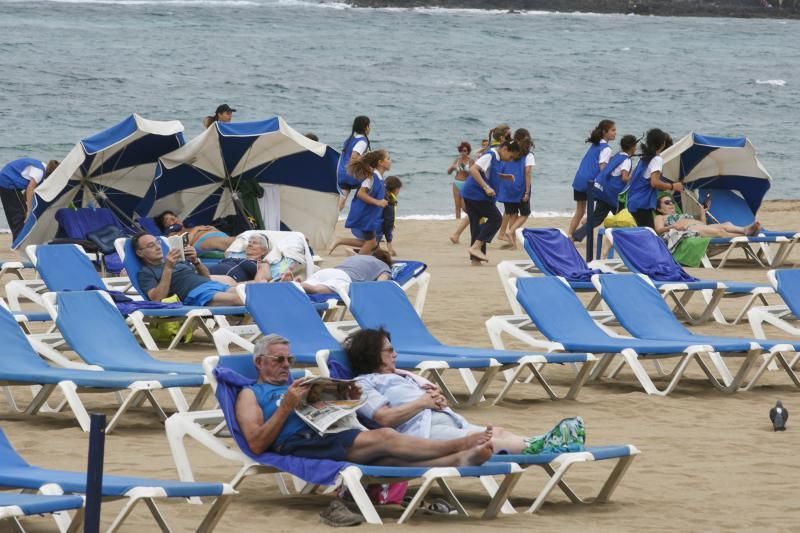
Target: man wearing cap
[
  {"x": 224, "y": 113},
  {"x": 190, "y": 280}
]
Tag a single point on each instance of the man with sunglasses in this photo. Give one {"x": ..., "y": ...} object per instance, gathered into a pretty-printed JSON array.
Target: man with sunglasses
[{"x": 265, "y": 413}]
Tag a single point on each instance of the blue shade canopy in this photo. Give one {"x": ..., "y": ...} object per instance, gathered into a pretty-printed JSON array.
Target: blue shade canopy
[
  {"x": 201, "y": 180},
  {"x": 113, "y": 168},
  {"x": 704, "y": 161}
]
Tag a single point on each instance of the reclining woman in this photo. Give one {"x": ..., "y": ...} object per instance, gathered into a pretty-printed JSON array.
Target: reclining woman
[
  {"x": 413, "y": 406},
  {"x": 252, "y": 267},
  {"x": 203, "y": 238},
  {"x": 667, "y": 218}
]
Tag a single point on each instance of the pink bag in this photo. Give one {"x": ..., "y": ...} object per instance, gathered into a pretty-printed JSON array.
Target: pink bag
[{"x": 387, "y": 493}]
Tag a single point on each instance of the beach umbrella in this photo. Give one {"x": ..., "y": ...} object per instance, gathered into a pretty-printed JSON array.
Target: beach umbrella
[
  {"x": 203, "y": 180},
  {"x": 113, "y": 168},
  {"x": 703, "y": 161}
]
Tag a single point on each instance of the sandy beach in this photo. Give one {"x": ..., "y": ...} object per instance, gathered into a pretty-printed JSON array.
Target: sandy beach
[{"x": 710, "y": 461}]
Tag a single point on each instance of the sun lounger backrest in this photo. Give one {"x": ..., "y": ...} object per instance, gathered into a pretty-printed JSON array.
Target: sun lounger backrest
[
  {"x": 77, "y": 223},
  {"x": 64, "y": 267},
  {"x": 133, "y": 264},
  {"x": 640, "y": 308},
  {"x": 241, "y": 364},
  {"x": 95, "y": 329},
  {"x": 17, "y": 354},
  {"x": 553, "y": 253},
  {"x": 283, "y": 309},
  {"x": 643, "y": 252},
  {"x": 727, "y": 206},
  {"x": 376, "y": 304},
  {"x": 8, "y": 455},
  {"x": 789, "y": 288},
  {"x": 556, "y": 310}
]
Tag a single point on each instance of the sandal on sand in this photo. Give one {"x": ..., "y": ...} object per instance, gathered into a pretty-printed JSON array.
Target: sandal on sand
[
  {"x": 338, "y": 515},
  {"x": 435, "y": 506}
]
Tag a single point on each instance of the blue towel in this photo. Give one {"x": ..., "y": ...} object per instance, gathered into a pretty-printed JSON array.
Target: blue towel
[
  {"x": 555, "y": 255},
  {"x": 647, "y": 254},
  {"x": 320, "y": 471},
  {"x": 127, "y": 305}
]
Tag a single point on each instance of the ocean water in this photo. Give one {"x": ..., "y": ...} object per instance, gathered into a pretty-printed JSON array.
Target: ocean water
[{"x": 428, "y": 78}]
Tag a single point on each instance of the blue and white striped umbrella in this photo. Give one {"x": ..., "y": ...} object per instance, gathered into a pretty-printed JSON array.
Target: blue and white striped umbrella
[
  {"x": 113, "y": 168},
  {"x": 200, "y": 181}
]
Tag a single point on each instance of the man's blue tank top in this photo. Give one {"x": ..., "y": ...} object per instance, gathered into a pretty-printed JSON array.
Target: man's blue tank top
[
  {"x": 343, "y": 178},
  {"x": 11, "y": 174},
  {"x": 608, "y": 187},
  {"x": 589, "y": 167},
  {"x": 364, "y": 216},
  {"x": 269, "y": 397},
  {"x": 472, "y": 191},
  {"x": 641, "y": 195},
  {"x": 512, "y": 191}
]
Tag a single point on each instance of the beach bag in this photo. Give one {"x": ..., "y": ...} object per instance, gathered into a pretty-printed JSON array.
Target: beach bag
[
  {"x": 387, "y": 493},
  {"x": 164, "y": 332},
  {"x": 623, "y": 219}
]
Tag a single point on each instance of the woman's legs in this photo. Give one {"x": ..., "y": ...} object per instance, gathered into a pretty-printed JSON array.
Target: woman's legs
[
  {"x": 580, "y": 210},
  {"x": 457, "y": 202},
  {"x": 462, "y": 225},
  {"x": 355, "y": 243}
]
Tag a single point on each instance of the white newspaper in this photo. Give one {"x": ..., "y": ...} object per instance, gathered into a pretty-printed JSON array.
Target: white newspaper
[{"x": 328, "y": 407}]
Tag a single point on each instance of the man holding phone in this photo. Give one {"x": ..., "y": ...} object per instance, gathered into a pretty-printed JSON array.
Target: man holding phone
[{"x": 190, "y": 280}]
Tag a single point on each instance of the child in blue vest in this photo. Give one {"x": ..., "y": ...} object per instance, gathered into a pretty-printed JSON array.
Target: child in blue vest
[
  {"x": 516, "y": 195},
  {"x": 646, "y": 179},
  {"x": 366, "y": 212},
  {"x": 479, "y": 194},
  {"x": 18, "y": 180},
  {"x": 354, "y": 148},
  {"x": 595, "y": 160},
  {"x": 609, "y": 184},
  {"x": 393, "y": 186}
]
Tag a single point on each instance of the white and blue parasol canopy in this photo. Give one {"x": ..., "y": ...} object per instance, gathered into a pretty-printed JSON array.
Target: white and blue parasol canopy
[
  {"x": 200, "y": 181},
  {"x": 113, "y": 168},
  {"x": 706, "y": 162}
]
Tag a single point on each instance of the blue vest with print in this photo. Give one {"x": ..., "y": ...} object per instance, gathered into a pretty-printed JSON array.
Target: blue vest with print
[
  {"x": 512, "y": 191},
  {"x": 641, "y": 195},
  {"x": 472, "y": 191},
  {"x": 364, "y": 216},
  {"x": 589, "y": 167},
  {"x": 342, "y": 177},
  {"x": 269, "y": 398},
  {"x": 11, "y": 174},
  {"x": 608, "y": 187}
]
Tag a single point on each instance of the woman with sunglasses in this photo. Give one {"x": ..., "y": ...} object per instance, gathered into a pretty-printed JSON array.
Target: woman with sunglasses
[
  {"x": 461, "y": 167},
  {"x": 667, "y": 218}
]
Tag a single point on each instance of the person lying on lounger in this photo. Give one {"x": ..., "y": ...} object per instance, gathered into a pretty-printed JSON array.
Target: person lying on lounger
[
  {"x": 667, "y": 218},
  {"x": 161, "y": 277},
  {"x": 254, "y": 266},
  {"x": 414, "y": 406},
  {"x": 203, "y": 238},
  {"x": 375, "y": 267},
  {"x": 266, "y": 416}
]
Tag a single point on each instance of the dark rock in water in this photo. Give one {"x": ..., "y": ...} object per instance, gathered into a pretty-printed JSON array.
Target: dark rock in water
[
  {"x": 779, "y": 415},
  {"x": 671, "y": 8}
]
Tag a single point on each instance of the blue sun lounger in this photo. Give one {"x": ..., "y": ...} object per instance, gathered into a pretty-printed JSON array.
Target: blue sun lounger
[
  {"x": 23, "y": 366},
  {"x": 383, "y": 304},
  {"x": 556, "y": 312},
  {"x": 16, "y": 473},
  {"x": 784, "y": 317},
  {"x": 643, "y": 252},
  {"x": 284, "y": 309},
  {"x": 14, "y": 506},
  {"x": 627, "y": 295}
]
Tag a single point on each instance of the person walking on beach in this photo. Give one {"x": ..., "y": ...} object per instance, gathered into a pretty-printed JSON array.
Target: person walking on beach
[
  {"x": 646, "y": 179},
  {"x": 609, "y": 184},
  {"x": 461, "y": 167},
  {"x": 595, "y": 160},
  {"x": 224, "y": 113},
  {"x": 516, "y": 195},
  {"x": 354, "y": 148},
  {"x": 479, "y": 193},
  {"x": 18, "y": 180},
  {"x": 366, "y": 211}
]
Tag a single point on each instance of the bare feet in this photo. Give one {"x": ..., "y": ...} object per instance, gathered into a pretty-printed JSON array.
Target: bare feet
[
  {"x": 752, "y": 229},
  {"x": 336, "y": 243},
  {"x": 475, "y": 456},
  {"x": 477, "y": 254},
  {"x": 453, "y": 239},
  {"x": 478, "y": 438}
]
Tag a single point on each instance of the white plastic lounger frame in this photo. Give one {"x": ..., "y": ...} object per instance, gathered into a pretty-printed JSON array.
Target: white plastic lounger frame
[
  {"x": 63, "y": 521},
  {"x": 13, "y": 268},
  {"x": 181, "y": 425},
  {"x": 776, "y": 315}
]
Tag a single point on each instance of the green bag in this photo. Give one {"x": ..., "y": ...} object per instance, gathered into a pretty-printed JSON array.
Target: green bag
[{"x": 164, "y": 332}]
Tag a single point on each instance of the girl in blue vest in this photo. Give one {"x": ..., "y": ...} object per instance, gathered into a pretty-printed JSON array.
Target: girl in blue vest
[
  {"x": 516, "y": 195},
  {"x": 609, "y": 184},
  {"x": 646, "y": 179},
  {"x": 354, "y": 148},
  {"x": 595, "y": 160},
  {"x": 366, "y": 212},
  {"x": 18, "y": 180},
  {"x": 479, "y": 194}
]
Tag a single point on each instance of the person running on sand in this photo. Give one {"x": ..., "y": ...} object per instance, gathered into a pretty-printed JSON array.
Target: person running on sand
[
  {"x": 668, "y": 219},
  {"x": 366, "y": 211},
  {"x": 516, "y": 195},
  {"x": 354, "y": 148},
  {"x": 595, "y": 160},
  {"x": 461, "y": 167},
  {"x": 480, "y": 197}
]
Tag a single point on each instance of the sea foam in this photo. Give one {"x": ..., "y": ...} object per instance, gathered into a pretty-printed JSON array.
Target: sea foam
[{"x": 774, "y": 83}]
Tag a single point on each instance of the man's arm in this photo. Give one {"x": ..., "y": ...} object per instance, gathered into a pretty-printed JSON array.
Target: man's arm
[
  {"x": 29, "y": 194},
  {"x": 260, "y": 434},
  {"x": 161, "y": 291},
  {"x": 191, "y": 255}
]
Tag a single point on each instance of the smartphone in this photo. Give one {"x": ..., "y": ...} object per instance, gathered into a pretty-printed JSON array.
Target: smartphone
[
  {"x": 185, "y": 237},
  {"x": 707, "y": 201}
]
